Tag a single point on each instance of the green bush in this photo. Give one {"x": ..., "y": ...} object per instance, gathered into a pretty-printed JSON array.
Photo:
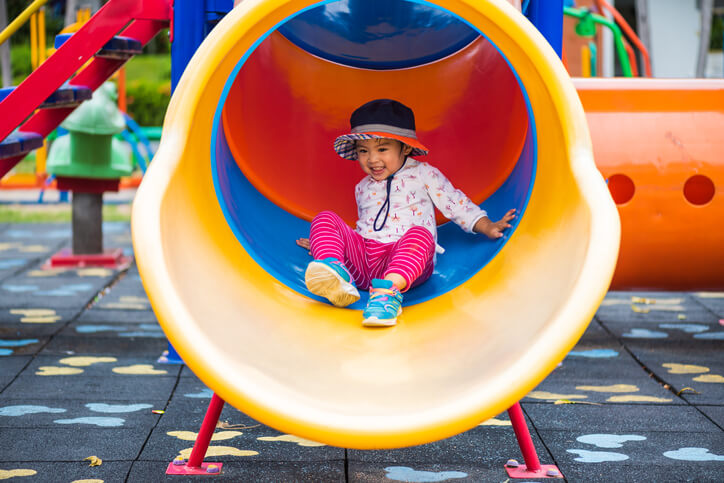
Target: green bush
[
  {"x": 20, "y": 61},
  {"x": 150, "y": 68},
  {"x": 147, "y": 102}
]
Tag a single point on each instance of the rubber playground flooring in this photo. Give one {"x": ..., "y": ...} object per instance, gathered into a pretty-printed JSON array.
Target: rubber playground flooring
[{"x": 640, "y": 398}]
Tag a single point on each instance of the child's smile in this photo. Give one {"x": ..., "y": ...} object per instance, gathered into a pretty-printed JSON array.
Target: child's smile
[{"x": 381, "y": 157}]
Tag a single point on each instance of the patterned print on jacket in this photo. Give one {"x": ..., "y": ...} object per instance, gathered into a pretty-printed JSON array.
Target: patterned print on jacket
[{"x": 416, "y": 190}]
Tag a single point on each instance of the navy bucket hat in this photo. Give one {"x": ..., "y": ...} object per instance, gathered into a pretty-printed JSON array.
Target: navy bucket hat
[{"x": 381, "y": 118}]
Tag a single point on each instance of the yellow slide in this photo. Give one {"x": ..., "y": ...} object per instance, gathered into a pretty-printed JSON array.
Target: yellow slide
[{"x": 250, "y": 128}]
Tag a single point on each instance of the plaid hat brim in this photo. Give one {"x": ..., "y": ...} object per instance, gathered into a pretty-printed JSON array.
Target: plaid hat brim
[{"x": 345, "y": 145}]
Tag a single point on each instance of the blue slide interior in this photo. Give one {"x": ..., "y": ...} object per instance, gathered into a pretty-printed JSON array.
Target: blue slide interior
[
  {"x": 268, "y": 232},
  {"x": 378, "y": 34}
]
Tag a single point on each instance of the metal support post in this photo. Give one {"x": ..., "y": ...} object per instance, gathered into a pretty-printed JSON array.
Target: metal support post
[
  {"x": 195, "y": 464},
  {"x": 87, "y": 223},
  {"x": 532, "y": 467}
]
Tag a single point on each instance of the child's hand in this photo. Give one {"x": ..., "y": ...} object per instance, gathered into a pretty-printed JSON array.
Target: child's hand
[
  {"x": 304, "y": 243},
  {"x": 494, "y": 229}
]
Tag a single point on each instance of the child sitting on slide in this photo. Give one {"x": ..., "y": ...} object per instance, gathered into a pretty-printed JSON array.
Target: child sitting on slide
[{"x": 393, "y": 247}]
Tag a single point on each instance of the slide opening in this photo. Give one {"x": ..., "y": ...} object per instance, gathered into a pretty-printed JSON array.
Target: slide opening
[
  {"x": 272, "y": 158},
  {"x": 246, "y": 161}
]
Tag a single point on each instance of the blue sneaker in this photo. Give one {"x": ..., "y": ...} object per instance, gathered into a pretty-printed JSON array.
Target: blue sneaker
[
  {"x": 384, "y": 306},
  {"x": 329, "y": 278}
]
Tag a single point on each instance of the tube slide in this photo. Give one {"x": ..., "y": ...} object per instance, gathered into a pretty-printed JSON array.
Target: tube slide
[{"x": 246, "y": 161}]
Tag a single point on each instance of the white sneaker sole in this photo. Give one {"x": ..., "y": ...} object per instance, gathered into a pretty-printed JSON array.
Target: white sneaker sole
[
  {"x": 325, "y": 282},
  {"x": 377, "y": 322}
]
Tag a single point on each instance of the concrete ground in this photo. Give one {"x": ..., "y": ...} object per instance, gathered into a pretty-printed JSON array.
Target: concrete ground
[{"x": 640, "y": 398}]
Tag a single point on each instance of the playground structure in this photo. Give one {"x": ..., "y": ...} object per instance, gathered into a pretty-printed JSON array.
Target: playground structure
[
  {"x": 95, "y": 52},
  {"x": 221, "y": 276},
  {"x": 586, "y": 23},
  {"x": 136, "y": 137}
]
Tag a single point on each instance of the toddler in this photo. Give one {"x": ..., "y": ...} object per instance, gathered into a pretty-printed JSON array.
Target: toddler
[{"x": 393, "y": 247}]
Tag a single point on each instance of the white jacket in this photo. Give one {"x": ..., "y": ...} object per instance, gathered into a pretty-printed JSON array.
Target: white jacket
[{"x": 415, "y": 189}]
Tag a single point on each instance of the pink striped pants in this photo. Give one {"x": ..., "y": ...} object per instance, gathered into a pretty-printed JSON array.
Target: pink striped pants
[{"x": 410, "y": 257}]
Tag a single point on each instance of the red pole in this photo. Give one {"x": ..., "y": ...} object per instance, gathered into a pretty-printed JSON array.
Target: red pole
[
  {"x": 523, "y": 435},
  {"x": 206, "y": 432}
]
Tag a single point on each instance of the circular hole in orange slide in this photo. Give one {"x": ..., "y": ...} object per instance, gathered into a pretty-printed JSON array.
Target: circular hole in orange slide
[
  {"x": 699, "y": 190},
  {"x": 622, "y": 188}
]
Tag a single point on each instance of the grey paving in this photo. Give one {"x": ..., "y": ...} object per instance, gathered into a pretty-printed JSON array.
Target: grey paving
[
  {"x": 60, "y": 471},
  {"x": 70, "y": 444},
  {"x": 701, "y": 371},
  {"x": 79, "y": 414},
  {"x": 78, "y": 377},
  {"x": 167, "y": 441},
  {"x": 34, "y": 321},
  {"x": 635, "y": 454},
  {"x": 109, "y": 388},
  {"x": 257, "y": 471},
  {"x": 713, "y": 304},
  {"x": 10, "y": 368},
  {"x": 72, "y": 344},
  {"x": 596, "y": 335},
  {"x": 130, "y": 328},
  {"x": 459, "y": 472},
  {"x": 601, "y": 380},
  {"x": 105, "y": 366},
  {"x": 110, "y": 316},
  {"x": 184, "y": 413},
  {"x": 23, "y": 346},
  {"x": 490, "y": 445},
  {"x": 637, "y": 417},
  {"x": 715, "y": 413}
]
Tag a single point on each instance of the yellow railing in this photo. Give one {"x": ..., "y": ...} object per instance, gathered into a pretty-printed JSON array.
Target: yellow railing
[
  {"x": 37, "y": 38},
  {"x": 21, "y": 19},
  {"x": 38, "y": 52}
]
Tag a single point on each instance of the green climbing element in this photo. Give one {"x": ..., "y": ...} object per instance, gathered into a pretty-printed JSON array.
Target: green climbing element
[
  {"x": 586, "y": 27},
  {"x": 90, "y": 151},
  {"x": 589, "y": 20}
]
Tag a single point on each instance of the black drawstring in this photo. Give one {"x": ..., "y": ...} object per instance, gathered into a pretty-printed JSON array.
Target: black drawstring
[{"x": 386, "y": 204}]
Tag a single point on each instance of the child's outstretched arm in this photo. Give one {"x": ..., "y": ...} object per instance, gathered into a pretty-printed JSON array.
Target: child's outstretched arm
[{"x": 494, "y": 229}]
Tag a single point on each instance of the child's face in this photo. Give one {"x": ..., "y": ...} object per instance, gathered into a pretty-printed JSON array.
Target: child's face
[{"x": 381, "y": 157}]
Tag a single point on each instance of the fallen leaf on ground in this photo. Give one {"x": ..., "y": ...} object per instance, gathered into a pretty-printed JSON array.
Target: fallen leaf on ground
[
  {"x": 687, "y": 389},
  {"x": 94, "y": 460}
]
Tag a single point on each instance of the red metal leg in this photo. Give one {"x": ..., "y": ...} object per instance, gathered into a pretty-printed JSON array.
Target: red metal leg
[
  {"x": 523, "y": 435},
  {"x": 195, "y": 465},
  {"x": 532, "y": 467}
]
